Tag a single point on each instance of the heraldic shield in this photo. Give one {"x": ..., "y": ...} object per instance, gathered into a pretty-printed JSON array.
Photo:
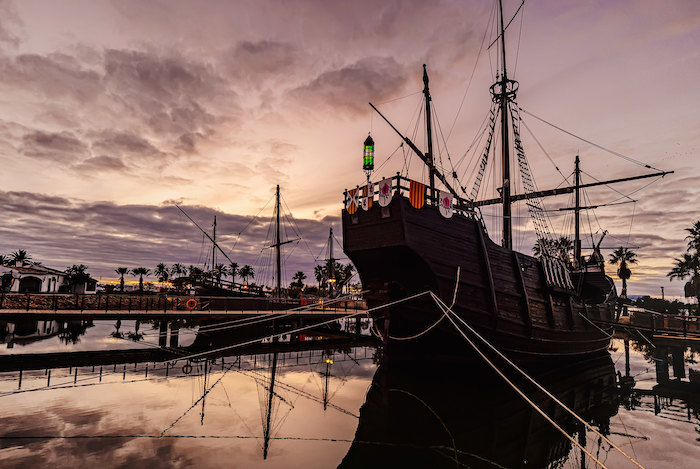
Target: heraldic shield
[
  {"x": 385, "y": 192},
  {"x": 446, "y": 204}
]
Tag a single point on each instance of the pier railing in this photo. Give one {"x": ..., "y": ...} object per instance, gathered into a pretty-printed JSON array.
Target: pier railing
[
  {"x": 666, "y": 323},
  {"x": 111, "y": 302}
]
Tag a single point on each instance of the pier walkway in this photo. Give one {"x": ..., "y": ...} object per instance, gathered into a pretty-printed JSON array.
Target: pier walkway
[
  {"x": 117, "y": 306},
  {"x": 667, "y": 326}
]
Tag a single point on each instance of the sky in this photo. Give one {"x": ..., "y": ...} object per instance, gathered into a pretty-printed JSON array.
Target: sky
[{"x": 111, "y": 112}]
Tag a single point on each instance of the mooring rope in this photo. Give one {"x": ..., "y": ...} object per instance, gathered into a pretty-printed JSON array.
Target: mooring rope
[
  {"x": 272, "y": 336},
  {"x": 609, "y": 336},
  {"x": 446, "y": 310},
  {"x": 415, "y": 336}
]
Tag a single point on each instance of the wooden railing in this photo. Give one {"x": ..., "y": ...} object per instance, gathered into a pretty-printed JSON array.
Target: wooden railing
[
  {"x": 120, "y": 302},
  {"x": 460, "y": 205},
  {"x": 666, "y": 323}
]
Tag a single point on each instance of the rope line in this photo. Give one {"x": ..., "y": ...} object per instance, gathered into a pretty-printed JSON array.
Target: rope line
[
  {"x": 512, "y": 385},
  {"x": 612, "y": 152},
  {"x": 533, "y": 381}
]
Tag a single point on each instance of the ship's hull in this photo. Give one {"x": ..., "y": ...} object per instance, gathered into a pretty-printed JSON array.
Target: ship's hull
[{"x": 401, "y": 251}]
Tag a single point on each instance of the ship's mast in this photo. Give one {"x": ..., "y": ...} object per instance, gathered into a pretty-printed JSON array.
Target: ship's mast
[
  {"x": 505, "y": 141},
  {"x": 331, "y": 265},
  {"x": 429, "y": 130},
  {"x": 278, "y": 245},
  {"x": 213, "y": 248},
  {"x": 577, "y": 211}
]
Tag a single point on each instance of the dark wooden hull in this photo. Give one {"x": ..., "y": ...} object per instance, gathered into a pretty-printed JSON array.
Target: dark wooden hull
[{"x": 401, "y": 251}]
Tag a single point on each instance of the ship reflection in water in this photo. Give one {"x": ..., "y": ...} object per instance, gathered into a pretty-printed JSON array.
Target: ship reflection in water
[
  {"x": 447, "y": 416},
  {"x": 325, "y": 398}
]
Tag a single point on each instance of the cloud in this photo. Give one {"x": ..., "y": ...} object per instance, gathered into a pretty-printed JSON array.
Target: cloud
[
  {"x": 101, "y": 163},
  {"x": 61, "y": 147},
  {"x": 349, "y": 88},
  {"x": 104, "y": 235},
  {"x": 261, "y": 60},
  {"x": 55, "y": 76},
  {"x": 124, "y": 143},
  {"x": 8, "y": 19}
]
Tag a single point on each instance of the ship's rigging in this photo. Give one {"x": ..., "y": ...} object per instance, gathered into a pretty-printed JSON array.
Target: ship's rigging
[{"x": 506, "y": 112}]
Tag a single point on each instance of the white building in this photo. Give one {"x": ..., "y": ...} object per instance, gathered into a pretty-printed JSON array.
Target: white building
[{"x": 35, "y": 278}]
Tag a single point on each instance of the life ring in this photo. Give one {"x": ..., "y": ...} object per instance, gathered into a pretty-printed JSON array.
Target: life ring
[
  {"x": 187, "y": 369},
  {"x": 191, "y": 304}
]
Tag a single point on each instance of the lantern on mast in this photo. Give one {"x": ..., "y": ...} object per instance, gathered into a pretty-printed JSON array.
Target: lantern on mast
[{"x": 368, "y": 156}]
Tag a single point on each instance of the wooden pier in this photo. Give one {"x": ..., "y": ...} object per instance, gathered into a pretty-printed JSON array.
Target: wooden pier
[
  {"x": 114, "y": 306},
  {"x": 666, "y": 326}
]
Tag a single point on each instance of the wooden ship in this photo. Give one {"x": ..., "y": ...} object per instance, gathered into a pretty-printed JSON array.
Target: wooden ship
[{"x": 416, "y": 238}]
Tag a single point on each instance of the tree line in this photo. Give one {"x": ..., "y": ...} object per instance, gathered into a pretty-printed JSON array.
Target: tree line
[{"x": 164, "y": 273}]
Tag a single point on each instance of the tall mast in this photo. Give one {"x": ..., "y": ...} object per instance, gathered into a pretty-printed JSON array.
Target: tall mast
[
  {"x": 331, "y": 262},
  {"x": 213, "y": 248},
  {"x": 428, "y": 125},
  {"x": 577, "y": 211},
  {"x": 278, "y": 244},
  {"x": 505, "y": 143}
]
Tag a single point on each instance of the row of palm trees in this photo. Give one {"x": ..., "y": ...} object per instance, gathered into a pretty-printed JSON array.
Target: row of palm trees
[{"x": 164, "y": 273}]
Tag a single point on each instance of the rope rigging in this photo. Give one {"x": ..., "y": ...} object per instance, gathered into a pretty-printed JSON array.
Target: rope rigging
[{"x": 612, "y": 152}]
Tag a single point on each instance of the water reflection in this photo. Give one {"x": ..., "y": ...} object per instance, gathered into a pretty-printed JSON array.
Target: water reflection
[
  {"x": 447, "y": 416},
  {"x": 26, "y": 332},
  {"x": 180, "y": 394}
]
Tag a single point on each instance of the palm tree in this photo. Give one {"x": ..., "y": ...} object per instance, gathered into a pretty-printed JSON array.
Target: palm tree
[
  {"x": 299, "y": 278},
  {"x": 219, "y": 271},
  {"x": 694, "y": 237},
  {"x": 688, "y": 266},
  {"x": 77, "y": 274},
  {"x": 542, "y": 246},
  {"x": 346, "y": 273},
  {"x": 233, "y": 271},
  {"x": 560, "y": 248},
  {"x": 194, "y": 271},
  {"x": 564, "y": 246},
  {"x": 4, "y": 259},
  {"x": 20, "y": 256},
  {"x": 121, "y": 271},
  {"x": 246, "y": 272},
  {"x": 623, "y": 256},
  {"x": 162, "y": 272},
  {"x": 140, "y": 271},
  {"x": 178, "y": 269},
  {"x": 320, "y": 274}
]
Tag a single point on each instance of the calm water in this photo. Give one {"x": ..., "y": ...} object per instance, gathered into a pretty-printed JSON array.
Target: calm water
[{"x": 114, "y": 402}]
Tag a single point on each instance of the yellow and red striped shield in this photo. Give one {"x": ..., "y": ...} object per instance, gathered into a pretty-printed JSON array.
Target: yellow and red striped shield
[
  {"x": 351, "y": 201},
  {"x": 417, "y": 194}
]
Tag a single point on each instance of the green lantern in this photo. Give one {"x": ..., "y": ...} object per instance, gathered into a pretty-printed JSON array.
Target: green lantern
[{"x": 368, "y": 157}]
